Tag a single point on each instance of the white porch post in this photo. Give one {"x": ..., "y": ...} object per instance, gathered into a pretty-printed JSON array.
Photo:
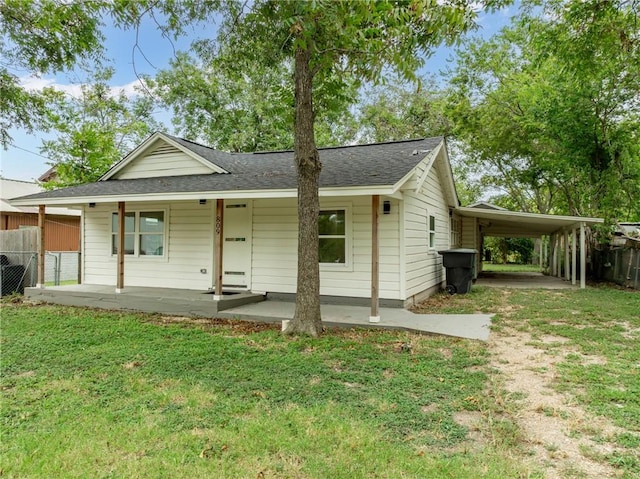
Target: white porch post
[
  {"x": 375, "y": 260},
  {"x": 583, "y": 257},
  {"x": 566, "y": 256},
  {"x": 41, "y": 248},
  {"x": 574, "y": 253},
  {"x": 120, "y": 256}
]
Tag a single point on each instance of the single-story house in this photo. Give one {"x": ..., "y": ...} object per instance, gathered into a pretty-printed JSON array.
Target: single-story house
[{"x": 174, "y": 213}]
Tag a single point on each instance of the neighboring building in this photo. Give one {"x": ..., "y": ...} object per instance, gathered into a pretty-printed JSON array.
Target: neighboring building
[
  {"x": 172, "y": 192},
  {"x": 62, "y": 225}
]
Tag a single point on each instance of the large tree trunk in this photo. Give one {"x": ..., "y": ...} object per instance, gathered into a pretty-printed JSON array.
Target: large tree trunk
[{"x": 306, "y": 319}]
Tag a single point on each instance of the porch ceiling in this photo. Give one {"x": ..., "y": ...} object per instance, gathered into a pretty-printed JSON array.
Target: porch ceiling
[{"x": 516, "y": 224}]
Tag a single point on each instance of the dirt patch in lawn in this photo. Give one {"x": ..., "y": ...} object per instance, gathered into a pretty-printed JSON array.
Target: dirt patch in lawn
[
  {"x": 245, "y": 327},
  {"x": 560, "y": 435}
]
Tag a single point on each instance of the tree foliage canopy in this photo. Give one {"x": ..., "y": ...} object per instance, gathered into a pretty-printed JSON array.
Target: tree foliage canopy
[
  {"x": 94, "y": 130},
  {"x": 550, "y": 108},
  {"x": 38, "y": 38}
]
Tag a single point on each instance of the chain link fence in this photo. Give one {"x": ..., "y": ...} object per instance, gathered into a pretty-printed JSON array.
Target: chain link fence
[
  {"x": 61, "y": 267},
  {"x": 19, "y": 269}
]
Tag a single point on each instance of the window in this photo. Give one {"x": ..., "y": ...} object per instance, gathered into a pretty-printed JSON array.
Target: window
[
  {"x": 432, "y": 231},
  {"x": 144, "y": 233},
  {"x": 455, "y": 225},
  {"x": 332, "y": 232}
]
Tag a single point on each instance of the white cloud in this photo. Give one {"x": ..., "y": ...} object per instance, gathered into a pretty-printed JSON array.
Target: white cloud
[{"x": 32, "y": 83}]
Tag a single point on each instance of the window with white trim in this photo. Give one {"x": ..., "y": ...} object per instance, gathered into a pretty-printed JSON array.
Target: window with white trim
[
  {"x": 144, "y": 233},
  {"x": 456, "y": 226},
  {"x": 431, "y": 225},
  {"x": 332, "y": 236}
]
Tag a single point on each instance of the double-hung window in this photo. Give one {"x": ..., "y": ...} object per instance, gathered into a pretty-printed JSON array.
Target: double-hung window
[
  {"x": 455, "y": 226},
  {"x": 332, "y": 231},
  {"x": 144, "y": 233},
  {"x": 432, "y": 231}
]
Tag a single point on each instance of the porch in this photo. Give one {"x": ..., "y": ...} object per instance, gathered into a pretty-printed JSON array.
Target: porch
[{"x": 247, "y": 306}]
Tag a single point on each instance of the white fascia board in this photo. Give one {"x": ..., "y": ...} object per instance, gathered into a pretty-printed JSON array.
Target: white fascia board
[
  {"x": 454, "y": 200},
  {"x": 430, "y": 158},
  {"x": 483, "y": 213},
  {"x": 139, "y": 150},
  {"x": 196, "y": 157},
  {"x": 231, "y": 195},
  {"x": 78, "y": 200},
  {"x": 427, "y": 169},
  {"x": 143, "y": 148},
  {"x": 361, "y": 191}
]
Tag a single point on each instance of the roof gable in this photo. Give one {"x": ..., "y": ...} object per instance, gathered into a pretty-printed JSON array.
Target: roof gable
[{"x": 161, "y": 156}]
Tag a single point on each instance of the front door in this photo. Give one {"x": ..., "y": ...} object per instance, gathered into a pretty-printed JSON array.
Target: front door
[{"x": 236, "y": 249}]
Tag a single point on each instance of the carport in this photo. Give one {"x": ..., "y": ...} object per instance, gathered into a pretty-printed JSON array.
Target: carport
[{"x": 567, "y": 235}]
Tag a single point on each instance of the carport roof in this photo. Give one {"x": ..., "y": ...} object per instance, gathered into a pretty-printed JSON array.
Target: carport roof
[{"x": 514, "y": 224}]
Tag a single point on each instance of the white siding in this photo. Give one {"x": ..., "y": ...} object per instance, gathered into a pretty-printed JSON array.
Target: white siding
[
  {"x": 274, "y": 253},
  {"x": 469, "y": 233},
  {"x": 188, "y": 247},
  {"x": 471, "y": 238},
  {"x": 275, "y": 239},
  {"x": 424, "y": 265},
  {"x": 165, "y": 160}
]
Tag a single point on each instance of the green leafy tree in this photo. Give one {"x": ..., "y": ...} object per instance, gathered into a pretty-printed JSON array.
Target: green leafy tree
[
  {"x": 396, "y": 111},
  {"x": 241, "y": 109},
  {"x": 550, "y": 109},
  {"x": 94, "y": 130},
  {"x": 39, "y": 37},
  {"x": 331, "y": 45}
]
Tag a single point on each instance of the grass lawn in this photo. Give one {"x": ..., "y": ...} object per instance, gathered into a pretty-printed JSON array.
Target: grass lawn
[
  {"x": 600, "y": 330},
  {"x": 101, "y": 394},
  {"x": 511, "y": 268}
]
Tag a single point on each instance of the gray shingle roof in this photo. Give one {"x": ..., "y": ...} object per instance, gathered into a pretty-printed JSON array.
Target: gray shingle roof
[{"x": 379, "y": 164}]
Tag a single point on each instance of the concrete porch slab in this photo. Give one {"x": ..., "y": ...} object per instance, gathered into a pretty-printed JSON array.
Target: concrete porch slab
[
  {"x": 246, "y": 306},
  {"x": 151, "y": 300},
  {"x": 469, "y": 326}
]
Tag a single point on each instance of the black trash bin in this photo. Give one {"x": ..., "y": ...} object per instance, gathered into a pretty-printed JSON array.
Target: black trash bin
[
  {"x": 460, "y": 264},
  {"x": 11, "y": 277}
]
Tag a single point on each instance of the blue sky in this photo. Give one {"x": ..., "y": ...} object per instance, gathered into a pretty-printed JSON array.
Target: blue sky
[{"x": 24, "y": 162}]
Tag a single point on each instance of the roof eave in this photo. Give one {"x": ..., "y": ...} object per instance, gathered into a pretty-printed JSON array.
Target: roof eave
[{"x": 382, "y": 190}]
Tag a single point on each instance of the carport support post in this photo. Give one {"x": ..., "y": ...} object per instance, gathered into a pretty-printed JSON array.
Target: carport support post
[
  {"x": 41, "y": 249},
  {"x": 583, "y": 257},
  {"x": 554, "y": 255},
  {"x": 566, "y": 256},
  {"x": 219, "y": 227},
  {"x": 541, "y": 255},
  {"x": 574, "y": 252},
  {"x": 375, "y": 261},
  {"x": 121, "y": 226}
]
